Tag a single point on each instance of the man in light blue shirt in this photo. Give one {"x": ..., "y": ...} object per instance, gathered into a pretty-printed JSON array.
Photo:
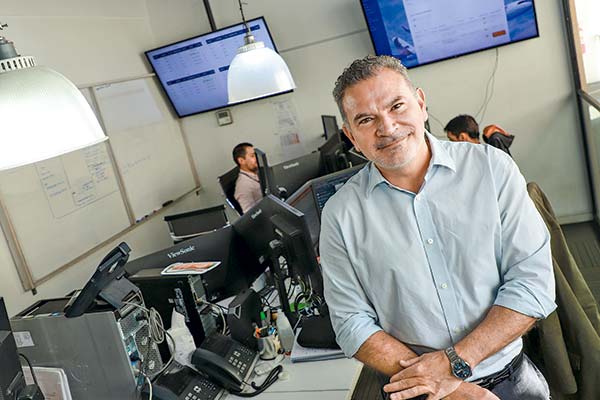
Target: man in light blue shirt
[{"x": 435, "y": 260}]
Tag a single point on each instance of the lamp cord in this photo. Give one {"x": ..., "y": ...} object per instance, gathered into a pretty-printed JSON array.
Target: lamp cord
[{"x": 244, "y": 17}]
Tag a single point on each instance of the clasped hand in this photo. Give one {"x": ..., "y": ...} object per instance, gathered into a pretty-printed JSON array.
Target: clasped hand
[{"x": 428, "y": 374}]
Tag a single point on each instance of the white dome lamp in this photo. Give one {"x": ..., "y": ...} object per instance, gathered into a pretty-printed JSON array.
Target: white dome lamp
[
  {"x": 256, "y": 71},
  {"x": 43, "y": 115}
]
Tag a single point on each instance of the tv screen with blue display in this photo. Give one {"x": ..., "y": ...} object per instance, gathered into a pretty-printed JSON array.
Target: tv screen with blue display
[
  {"x": 193, "y": 72},
  {"x": 420, "y": 32}
]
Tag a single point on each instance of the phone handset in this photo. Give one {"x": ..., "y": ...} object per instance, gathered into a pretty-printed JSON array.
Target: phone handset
[{"x": 218, "y": 369}]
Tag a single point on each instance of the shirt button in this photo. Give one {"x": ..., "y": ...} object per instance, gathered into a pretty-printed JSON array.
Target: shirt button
[
  {"x": 429, "y": 241},
  {"x": 417, "y": 198},
  {"x": 444, "y": 286}
]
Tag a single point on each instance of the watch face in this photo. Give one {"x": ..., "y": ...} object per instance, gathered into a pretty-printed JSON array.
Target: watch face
[{"x": 461, "y": 370}]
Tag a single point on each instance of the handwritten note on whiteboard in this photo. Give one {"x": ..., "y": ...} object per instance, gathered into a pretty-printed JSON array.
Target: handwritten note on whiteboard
[{"x": 76, "y": 180}]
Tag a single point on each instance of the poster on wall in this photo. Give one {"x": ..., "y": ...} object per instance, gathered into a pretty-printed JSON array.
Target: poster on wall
[{"x": 288, "y": 130}]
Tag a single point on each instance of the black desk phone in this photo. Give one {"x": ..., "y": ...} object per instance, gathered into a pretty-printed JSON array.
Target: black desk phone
[
  {"x": 226, "y": 362},
  {"x": 179, "y": 382}
]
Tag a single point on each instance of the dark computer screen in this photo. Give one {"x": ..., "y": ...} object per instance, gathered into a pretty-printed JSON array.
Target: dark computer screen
[
  {"x": 290, "y": 175},
  {"x": 330, "y": 126}
]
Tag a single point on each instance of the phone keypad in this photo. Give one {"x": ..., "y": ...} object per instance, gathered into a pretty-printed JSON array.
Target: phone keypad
[{"x": 203, "y": 390}]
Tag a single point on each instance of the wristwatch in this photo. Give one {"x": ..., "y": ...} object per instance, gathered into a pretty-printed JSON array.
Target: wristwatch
[{"x": 460, "y": 368}]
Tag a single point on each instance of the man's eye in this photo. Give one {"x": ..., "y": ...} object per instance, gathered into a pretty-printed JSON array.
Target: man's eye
[
  {"x": 365, "y": 121},
  {"x": 397, "y": 106}
]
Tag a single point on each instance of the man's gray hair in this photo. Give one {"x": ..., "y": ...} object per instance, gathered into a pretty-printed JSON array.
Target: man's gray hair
[{"x": 363, "y": 69}]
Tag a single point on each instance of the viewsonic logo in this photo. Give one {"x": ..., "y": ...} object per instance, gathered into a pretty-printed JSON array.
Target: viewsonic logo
[
  {"x": 175, "y": 254},
  {"x": 256, "y": 214},
  {"x": 292, "y": 165}
]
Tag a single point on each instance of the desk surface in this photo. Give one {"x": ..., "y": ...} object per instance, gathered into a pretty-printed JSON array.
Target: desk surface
[{"x": 325, "y": 380}]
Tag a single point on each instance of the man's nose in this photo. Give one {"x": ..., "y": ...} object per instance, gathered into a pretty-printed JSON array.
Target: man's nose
[{"x": 387, "y": 126}]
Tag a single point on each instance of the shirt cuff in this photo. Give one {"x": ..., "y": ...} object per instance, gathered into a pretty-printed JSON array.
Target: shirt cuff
[
  {"x": 524, "y": 302},
  {"x": 354, "y": 334}
]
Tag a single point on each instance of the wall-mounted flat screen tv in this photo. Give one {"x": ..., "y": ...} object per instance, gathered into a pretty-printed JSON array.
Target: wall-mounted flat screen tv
[
  {"x": 193, "y": 72},
  {"x": 420, "y": 32}
]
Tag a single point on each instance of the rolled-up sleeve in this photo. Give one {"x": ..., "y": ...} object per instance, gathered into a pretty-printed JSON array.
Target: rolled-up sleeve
[
  {"x": 528, "y": 285},
  {"x": 352, "y": 315}
]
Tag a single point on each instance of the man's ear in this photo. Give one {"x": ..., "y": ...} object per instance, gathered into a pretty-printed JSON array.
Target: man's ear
[
  {"x": 350, "y": 136},
  {"x": 463, "y": 137},
  {"x": 420, "y": 95}
]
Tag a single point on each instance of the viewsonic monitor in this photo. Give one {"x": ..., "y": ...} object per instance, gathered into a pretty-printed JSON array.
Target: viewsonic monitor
[
  {"x": 193, "y": 72},
  {"x": 420, "y": 32},
  {"x": 290, "y": 175},
  {"x": 237, "y": 271}
]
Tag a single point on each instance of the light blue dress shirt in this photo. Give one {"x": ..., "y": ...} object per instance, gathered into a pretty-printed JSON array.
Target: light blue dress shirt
[{"x": 427, "y": 267}]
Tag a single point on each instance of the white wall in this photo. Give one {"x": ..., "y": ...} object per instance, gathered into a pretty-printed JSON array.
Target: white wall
[
  {"x": 91, "y": 41},
  {"x": 533, "y": 95}
]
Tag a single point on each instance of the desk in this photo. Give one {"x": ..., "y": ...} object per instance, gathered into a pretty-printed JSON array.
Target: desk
[{"x": 319, "y": 380}]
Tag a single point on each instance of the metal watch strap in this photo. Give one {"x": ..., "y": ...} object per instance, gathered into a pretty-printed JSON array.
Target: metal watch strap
[{"x": 452, "y": 356}]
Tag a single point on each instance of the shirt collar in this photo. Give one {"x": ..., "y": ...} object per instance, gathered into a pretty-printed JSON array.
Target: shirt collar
[{"x": 439, "y": 157}]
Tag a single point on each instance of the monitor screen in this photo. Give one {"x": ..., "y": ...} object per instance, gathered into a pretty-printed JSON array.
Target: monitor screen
[
  {"x": 330, "y": 126},
  {"x": 290, "y": 175},
  {"x": 326, "y": 186},
  {"x": 421, "y": 32},
  {"x": 193, "y": 72}
]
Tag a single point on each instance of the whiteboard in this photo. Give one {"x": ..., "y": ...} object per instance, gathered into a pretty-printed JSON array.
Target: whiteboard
[
  {"x": 147, "y": 144},
  {"x": 62, "y": 207}
]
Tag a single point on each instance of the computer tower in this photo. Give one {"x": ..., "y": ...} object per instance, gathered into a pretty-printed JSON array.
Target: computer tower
[
  {"x": 184, "y": 293},
  {"x": 102, "y": 351}
]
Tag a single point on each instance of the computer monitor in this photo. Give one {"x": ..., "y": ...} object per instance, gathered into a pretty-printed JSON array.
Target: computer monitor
[
  {"x": 291, "y": 228},
  {"x": 326, "y": 186},
  {"x": 188, "y": 224},
  {"x": 330, "y": 126},
  {"x": 237, "y": 271},
  {"x": 303, "y": 200},
  {"x": 107, "y": 283},
  {"x": 254, "y": 228},
  {"x": 356, "y": 158},
  {"x": 265, "y": 174},
  {"x": 333, "y": 154},
  {"x": 290, "y": 175},
  {"x": 12, "y": 380}
]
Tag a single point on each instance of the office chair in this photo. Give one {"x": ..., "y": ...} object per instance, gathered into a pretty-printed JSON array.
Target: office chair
[
  {"x": 189, "y": 224},
  {"x": 227, "y": 182}
]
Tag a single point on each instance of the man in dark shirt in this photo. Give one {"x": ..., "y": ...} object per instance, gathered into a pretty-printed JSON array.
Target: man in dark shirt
[{"x": 464, "y": 128}]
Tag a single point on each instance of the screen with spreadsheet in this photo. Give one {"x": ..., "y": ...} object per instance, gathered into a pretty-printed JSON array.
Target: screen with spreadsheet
[
  {"x": 193, "y": 72},
  {"x": 421, "y": 32}
]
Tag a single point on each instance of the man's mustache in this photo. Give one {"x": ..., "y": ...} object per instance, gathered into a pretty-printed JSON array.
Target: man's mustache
[{"x": 384, "y": 142}]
